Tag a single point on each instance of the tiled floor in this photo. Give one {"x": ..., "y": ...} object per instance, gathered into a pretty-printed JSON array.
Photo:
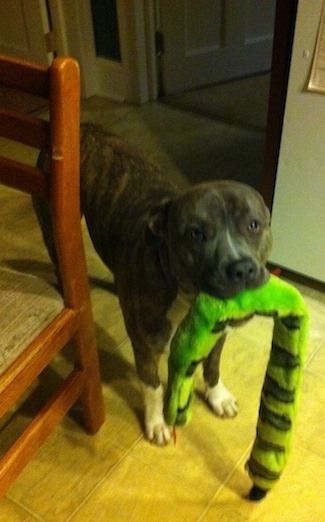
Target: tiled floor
[{"x": 117, "y": 475}]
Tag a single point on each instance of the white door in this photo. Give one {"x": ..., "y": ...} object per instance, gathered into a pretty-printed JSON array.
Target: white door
[
  {"x": 212, "y": 41},
  {"x": 23, "y": 25}
]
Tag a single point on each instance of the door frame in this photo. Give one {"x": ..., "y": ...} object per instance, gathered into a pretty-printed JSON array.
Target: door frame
[
  {"x": 132, "y": 80},
  {"x": 285, "y": 19}
]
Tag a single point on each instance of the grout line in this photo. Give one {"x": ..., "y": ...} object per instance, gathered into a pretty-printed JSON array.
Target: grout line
[
  {"x": 314, "y": 373},
  {"x": 311, "y": 356},
  {"x": 25, "y": 508},
  {"x": 109, "y": 472},
  {"x": 231, "y": 473},
  {"x": 302, "y": 447}
]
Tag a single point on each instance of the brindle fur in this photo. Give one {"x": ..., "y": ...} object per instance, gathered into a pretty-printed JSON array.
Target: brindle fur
[{"x": 158, "y": 240}]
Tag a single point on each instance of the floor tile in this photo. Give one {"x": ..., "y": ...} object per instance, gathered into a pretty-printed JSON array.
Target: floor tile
[
  {"x": 135, "y": 491},
  {"x": 297, "y": 496},
  {"x": 220, "y": 514},
  {"x": 10, "y": 511},
  {"x": 208, "y": 446},
  {"x": 317, "y": 362},
  {"x": 67, "y": 468},
  {"x": 310, "y": 427}
]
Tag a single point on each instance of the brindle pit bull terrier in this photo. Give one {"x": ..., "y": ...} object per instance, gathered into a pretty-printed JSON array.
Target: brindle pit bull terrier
[{"x": 157, "y": 241}]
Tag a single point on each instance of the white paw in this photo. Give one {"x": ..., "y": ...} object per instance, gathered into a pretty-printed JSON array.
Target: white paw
[
  {"x": 159, "y": 434},
  {"x": 222, "y": 402},
  {"x": 157, "y": 430}
]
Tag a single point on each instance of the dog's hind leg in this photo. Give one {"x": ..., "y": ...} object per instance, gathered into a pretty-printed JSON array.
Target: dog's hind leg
[
  {"x": 43, "y": 213},
  {"x": 219, "y": 398}
]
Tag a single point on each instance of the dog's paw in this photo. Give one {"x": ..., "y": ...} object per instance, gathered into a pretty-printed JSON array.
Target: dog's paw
[
  {"x": 156, "y": 429},
  {"x": 222, "y": 402},
  {"x": 159, "y": 434}
]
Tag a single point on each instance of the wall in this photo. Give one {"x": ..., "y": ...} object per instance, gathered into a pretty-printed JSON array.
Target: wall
[{"x": 298, "y": 216}]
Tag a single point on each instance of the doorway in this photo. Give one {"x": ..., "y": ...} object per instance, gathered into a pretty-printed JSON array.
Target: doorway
[
  {"x": 215, "y": 62},
  {"x": 216, "y": 58},
  {"x": 285, "y": 16}
]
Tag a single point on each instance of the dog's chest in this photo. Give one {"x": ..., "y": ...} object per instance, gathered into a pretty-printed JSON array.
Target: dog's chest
[{"x": 178, "y": 311}]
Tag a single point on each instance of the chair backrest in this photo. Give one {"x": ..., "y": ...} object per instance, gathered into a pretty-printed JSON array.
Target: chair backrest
[
  {"x": 60, "y": 84},
  {"x": 59, "y": 186}
]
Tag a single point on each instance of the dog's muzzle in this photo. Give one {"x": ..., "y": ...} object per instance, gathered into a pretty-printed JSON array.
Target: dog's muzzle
[
  {"x": 242, "y": 271},
  {"x": 234, "y": 277}
]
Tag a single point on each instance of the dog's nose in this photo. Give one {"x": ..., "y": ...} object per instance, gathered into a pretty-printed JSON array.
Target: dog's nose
[{"x": 241, "y": 270}]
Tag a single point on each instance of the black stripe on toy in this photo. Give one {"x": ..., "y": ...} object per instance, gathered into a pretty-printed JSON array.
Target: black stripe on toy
[
  {"x": 279, "y": 422},
  {"x": 258, "y": 470},
  {"x": 281, "y": 357},
  {"x": 292, "y": 322},
  {"x": 219, "y": 326},
  {"x": 266, "y": 445},
  {"x": 273, "y": 388},
  {"x": 192, "y": 367},
  {"x": 182, "y": 413}
]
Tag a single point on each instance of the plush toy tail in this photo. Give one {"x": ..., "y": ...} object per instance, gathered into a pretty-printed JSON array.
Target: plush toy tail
[{"x": 279, "y": 403}]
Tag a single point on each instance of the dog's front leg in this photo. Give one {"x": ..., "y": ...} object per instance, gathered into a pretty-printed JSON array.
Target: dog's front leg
[
  {"x": 156, "y": 429},
  {"x": 219, "y": 398},
  {"x": 146, "y": 359}
]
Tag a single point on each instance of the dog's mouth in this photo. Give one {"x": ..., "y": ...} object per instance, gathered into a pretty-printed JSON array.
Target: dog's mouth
[{"x": 235, "y": 279}]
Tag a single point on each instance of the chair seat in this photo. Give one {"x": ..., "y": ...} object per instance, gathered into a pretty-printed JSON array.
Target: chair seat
[{"x": 27, "y": 305}]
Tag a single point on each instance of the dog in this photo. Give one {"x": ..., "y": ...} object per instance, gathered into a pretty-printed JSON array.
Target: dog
[{"x": 158, "y": 241}]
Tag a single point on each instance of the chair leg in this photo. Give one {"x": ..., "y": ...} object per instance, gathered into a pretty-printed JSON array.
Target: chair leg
[{"x": 86, "y": 358}]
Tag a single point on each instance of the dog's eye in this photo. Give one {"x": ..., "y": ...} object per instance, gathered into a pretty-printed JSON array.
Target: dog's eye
[
  {"x": 254, "y": 226},
  {"x": 197, "y": 235}
]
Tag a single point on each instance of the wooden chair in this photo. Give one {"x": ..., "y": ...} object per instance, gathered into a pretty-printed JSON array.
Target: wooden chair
[{"x": 72, "y": 321}]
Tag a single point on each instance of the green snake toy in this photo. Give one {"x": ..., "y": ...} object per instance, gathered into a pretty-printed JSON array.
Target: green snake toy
[{"x": 204, "y": 324}]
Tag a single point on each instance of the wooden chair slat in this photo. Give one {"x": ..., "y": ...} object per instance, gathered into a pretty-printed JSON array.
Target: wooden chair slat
[
  {"x": 23, "y": 177},
  {"x": 25, "y": 128}
]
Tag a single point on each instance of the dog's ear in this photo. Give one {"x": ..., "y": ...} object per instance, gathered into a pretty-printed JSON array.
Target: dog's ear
[{"x": 155, "y": 231}]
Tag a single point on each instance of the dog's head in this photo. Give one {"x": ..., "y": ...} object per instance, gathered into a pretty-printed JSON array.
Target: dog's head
[{"x": 217, "y": 236}]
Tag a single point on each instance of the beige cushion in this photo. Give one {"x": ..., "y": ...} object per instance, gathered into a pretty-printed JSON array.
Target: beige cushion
[{"x": 27, "y": 305}]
